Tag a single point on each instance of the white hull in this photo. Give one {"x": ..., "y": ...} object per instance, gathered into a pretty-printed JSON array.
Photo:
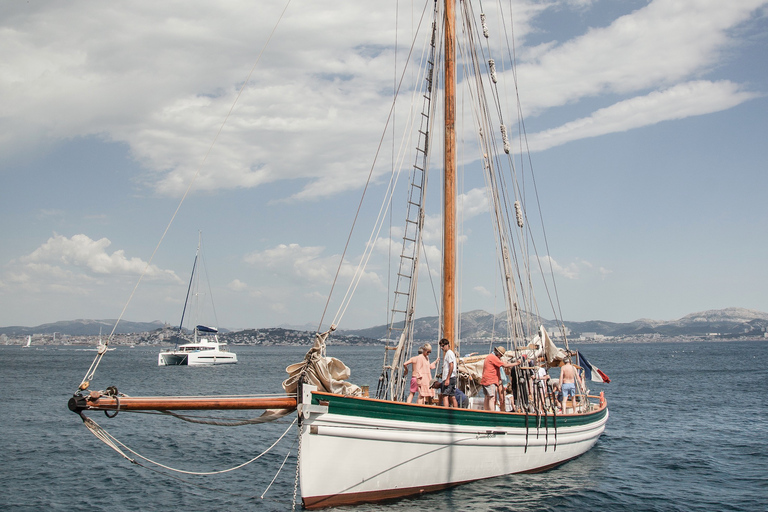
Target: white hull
[
  {"x": 350, "y": 458},
  {"x": 202, "y": 358}
]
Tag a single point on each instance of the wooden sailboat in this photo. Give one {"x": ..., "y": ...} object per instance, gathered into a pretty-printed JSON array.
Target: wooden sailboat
[
  {"x": 355, "y": 448},
  {"x": 411, "y": 449}
]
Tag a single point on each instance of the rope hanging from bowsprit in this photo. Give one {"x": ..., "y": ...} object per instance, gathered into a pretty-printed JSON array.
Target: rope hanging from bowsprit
[{"x": 121, "y": 448}]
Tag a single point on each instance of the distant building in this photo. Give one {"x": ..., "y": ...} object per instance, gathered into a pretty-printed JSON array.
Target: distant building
[{"x": 557, "y": 333}]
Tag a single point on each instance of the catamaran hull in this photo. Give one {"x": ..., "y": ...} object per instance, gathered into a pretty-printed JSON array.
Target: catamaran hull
[
  {"x": 195, "y": 359},
  {"x": 364, "y": 450},
  {"x": 171, "y": 359}
]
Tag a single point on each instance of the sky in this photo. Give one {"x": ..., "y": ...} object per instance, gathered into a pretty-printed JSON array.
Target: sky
[{"x": 647, "y": 123}]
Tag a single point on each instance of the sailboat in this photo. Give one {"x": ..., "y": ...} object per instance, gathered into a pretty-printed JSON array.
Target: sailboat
[
  {"x": 29, "y": 342},
  {"x": 205, "y": 348},
  {"x": 356, "y": 448},
  {"x": 102, "y": 347}
]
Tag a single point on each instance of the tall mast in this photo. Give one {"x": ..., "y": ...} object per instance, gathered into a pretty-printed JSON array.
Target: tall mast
[{"x": 449, "y": 208}]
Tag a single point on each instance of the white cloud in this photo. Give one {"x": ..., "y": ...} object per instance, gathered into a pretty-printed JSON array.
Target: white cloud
[
  {"x": 89, "y": 256},
  {"x": 160, "y": 77},
  {"x": 678, "y": 102},
  {"x": 78, "y": 277},
  {"x": 657, "y": 46},
  {"x": 570, "y": 271},
  {"x": 237, "y": 285},
  {"x": 306, "y": 265},
  {"x": 482, "y": 290},
  {"x": 473, "y": 203},
  {"x": 578, "y": 270}
]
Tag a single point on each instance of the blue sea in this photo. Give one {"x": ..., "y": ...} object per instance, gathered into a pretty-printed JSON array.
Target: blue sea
[{"x": 688, "y": 432}]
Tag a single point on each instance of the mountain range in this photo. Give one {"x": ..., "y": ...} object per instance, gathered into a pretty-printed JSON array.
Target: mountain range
[{"x": 479, "y": 324}]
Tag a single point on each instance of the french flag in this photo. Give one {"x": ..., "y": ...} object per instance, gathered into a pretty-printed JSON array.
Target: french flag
[{"x": 592, "y": 372}]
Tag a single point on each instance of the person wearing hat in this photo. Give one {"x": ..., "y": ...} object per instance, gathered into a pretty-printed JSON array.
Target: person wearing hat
[
  {"x": 422, "y": 374},
  {"x": 491, "y": 378}
]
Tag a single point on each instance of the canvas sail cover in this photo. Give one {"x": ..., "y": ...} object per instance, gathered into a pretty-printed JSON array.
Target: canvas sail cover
[
  {"x": 327, "y": 373},
  {"x": 553, "y": 354}
]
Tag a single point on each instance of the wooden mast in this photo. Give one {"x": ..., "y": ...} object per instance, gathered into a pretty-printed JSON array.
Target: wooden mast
[{"x": 449, "y": 194}]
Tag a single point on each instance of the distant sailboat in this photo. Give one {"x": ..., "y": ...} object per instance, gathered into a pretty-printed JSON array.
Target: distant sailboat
[
  {"x": 102, "y": 347},
  {"x": 205, "y": 349},
  {"x": 29, "y": 342}
]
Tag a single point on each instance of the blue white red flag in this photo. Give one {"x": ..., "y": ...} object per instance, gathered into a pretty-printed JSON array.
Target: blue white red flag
[{"x": 592, "y": 372}]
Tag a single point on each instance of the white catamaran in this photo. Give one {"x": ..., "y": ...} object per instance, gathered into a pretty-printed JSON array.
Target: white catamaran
[
  {"x": 205, "y": 348},
  {"x": 355, "y": 448}
]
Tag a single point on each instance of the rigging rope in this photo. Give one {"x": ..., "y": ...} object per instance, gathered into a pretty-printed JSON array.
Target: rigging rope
[{"x": 116, "y": 445}]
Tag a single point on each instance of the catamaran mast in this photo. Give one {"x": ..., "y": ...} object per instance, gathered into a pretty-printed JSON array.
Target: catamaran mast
[{"x": 449, "y": 194}]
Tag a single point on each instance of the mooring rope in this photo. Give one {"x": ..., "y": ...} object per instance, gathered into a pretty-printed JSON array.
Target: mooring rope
[
  {"x": 275, "y": 477},
  {"x": 113, "y": 443}
]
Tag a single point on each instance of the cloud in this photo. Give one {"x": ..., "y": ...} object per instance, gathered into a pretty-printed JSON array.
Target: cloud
[
  {"x": 161, "y": 78},
  {"x": 482, "y": 290},
  {"x": 473, "y": 203},
  {"x": 237, "y": 285},
  {"x": 678, "y": 102},
  {"x": 658, "y": 46},
  {"x": 577, "y": 270},
  {"x": 547, "y": 263},
  {"x": 90, "y": 256},
  {"x": 78, "y": 277},
  {"x": 306, "y": 265}
]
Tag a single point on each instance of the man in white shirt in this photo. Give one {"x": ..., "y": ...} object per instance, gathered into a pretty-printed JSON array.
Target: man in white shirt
[{"x": 448, "y": 387}]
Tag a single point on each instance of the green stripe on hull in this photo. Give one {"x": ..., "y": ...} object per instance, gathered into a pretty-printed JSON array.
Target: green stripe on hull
[{"x": 396, "y": 411}]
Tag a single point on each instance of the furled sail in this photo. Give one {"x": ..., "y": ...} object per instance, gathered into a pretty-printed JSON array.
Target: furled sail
[{"x": 327, "y": 373}]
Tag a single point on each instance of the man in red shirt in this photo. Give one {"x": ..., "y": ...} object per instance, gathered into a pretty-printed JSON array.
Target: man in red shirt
[{"x": 492, "y": 378}]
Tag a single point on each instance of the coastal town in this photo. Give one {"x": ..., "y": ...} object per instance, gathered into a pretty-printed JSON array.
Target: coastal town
[{"x": 168, "y": 337}]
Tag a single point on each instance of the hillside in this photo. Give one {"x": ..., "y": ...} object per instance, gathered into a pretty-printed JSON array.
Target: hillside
[
  {"x": 727, "y": 322},
  {"x": 723, "y": 323}
]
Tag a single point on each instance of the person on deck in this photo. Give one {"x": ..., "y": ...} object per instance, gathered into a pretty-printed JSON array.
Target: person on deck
[
  {"x": 422, "y": 374},
  {"x": 414, "y": 381},
  {"x": 557, "y": 394},
  {"x": 491, "y": 379},
  {"x": 541, "y": 377},
  {"x": 448, "y": 386},
  {"x": 462, "y": 399},
  {"x": 568, "y": 384}
]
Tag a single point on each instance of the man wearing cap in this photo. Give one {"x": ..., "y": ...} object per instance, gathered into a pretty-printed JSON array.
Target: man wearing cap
[{"x": 492, "y": 378}]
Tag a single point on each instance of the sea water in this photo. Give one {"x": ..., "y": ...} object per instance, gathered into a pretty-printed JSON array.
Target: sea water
[{"x": 688, "y": 431}]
